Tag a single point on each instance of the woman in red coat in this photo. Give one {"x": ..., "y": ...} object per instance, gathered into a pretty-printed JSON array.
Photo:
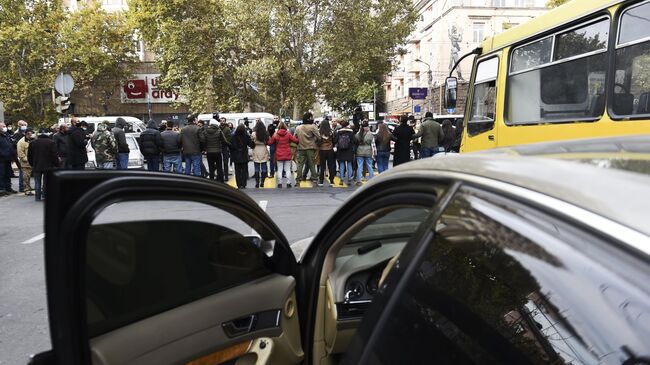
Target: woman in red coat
[{"x": 283, "y": 138}]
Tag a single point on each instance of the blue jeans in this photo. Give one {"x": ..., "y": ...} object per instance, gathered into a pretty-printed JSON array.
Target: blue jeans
[
  {"x": 39, "y": 185},
  {"x": 122, "y": 161},
  {"x": 193, "y": 164},
  {"x": 153, "y": 163},
  {"x": 382, "y": 160},
  {"x": 260, "y": 167},
  {"x": 368, "y": 162},
  {"x": 345, "y": 170},
  {"x": 172, "y": 160},
  {"x": 428, "y": 152}
]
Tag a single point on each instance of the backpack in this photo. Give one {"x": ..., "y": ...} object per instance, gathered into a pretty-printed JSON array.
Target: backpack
[{"x": 345, "y": 142}]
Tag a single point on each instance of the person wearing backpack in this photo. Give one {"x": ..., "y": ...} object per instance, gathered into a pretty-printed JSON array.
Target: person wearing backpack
[
  {"x": 326, "y": 152},
  {"x": 344, "y": 142}
]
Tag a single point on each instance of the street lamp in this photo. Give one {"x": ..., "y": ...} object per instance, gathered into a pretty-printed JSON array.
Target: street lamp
[{"x": 430, "y": 87}]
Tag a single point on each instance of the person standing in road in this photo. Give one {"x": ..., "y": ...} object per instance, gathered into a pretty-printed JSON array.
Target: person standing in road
[
  {"x": 449, "y": 135},
  {"x": 432, "y": 135},
  {"x": 364, "y": 140},
  {"x": 202, "y": 127},
  {"x": 260, "y": 137},
  {"x": 282, "y": 139},
  {"x": 417, "y": 142},
  {"x": 273, "y": 166},
  {"x": 240, "y": 143},
  {"x": 191, "y": 141},
  {"x": 171, "y": 148},
  {"x": 247, "y": 126},
  {"x": 215, "y": 143},
  {"x": 42, "y": 156},
  {"x": 17, "y": 136},
  {"x": 76, "y": 142},
  {"x": 105, "y": 146},
  {"x": 225, "y": 152},
  {"x": 344, "y": 151},
  {"x": 326, "y": 151},
  {"x": 151, "y": 145},
  {"x": 403, "y": 134},
  {"x": 60, "y": 140},
  {"x": 7, "y": 155},
  {"x": 26, "y": 169},
  {"x": 122, "y": 146},
  {"x": 382, "y": 141},
  {"x": 308, "y": 139}
]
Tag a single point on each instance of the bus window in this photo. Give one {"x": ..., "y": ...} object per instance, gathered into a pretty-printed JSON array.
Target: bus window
[
  {"x": 632, "y": 80},
  {"x": 484, "y": 97},
  {"x": 567, "y": 85}
]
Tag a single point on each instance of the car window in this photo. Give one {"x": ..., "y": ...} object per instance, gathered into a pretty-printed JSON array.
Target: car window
[
  {"x": 499, "y": 284},
  {"x": 133, "y": 145},
  {"x": 398, "y": 223},
  {"x": 175, "y": 253}
]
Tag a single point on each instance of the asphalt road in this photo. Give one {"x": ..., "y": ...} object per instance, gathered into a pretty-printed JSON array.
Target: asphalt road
[{"x": 299, "y": 212}]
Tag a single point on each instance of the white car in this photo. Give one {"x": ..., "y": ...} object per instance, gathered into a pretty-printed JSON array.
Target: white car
[{"x": 136, "y": 159}]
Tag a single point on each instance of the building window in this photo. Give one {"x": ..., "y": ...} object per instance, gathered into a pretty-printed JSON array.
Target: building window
[{"x": 478, "y": 29}]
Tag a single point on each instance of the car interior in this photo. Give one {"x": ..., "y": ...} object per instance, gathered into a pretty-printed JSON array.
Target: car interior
[{"x": 136, "y": 286}]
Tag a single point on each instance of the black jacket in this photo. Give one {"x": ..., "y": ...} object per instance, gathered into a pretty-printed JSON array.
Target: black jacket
[
  {"x": 120, "y": 137},
  {"x": 150, "y": 140},
  {"x": 76, "y": 142},
  {"x": 239, "y": 147},
  {"x": 7, "y": 150},
  {"x": 346, "y": 154},
  {"x": 214, "y": 139},
  {"x": 171, "y": 142},
  {"x": 61, "y": 144},
  {"x": 403, "y": 134},
  {"x": 42, "y": 154}
]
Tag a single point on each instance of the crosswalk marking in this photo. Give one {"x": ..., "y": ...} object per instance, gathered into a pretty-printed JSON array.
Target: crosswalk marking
[{"x": 271, "y": 183}]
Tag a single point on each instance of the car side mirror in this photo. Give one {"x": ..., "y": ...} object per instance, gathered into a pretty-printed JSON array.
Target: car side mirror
[{"x": 451, "y": 86}]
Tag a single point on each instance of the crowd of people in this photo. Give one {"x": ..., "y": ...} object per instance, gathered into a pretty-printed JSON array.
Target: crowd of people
[{"x": 290, "y": 154}]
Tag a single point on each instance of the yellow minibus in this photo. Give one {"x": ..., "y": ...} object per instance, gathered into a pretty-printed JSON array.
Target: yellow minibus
[{"x": 581, "y": 70}]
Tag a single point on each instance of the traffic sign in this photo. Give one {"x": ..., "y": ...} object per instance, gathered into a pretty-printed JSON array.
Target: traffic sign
[
  {"x": 418, "y": 93},
  {"x": 64, "y": 84},
  {"x": 417, "y": 109}
]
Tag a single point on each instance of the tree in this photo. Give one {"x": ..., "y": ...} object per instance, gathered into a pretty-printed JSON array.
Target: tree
[
  {"x": 97, "y": 49},
  {"x": 555, "y": 3},
  {"x": 29, "y": 41}
]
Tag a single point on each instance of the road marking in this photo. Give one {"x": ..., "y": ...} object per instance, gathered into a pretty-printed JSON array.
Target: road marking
[{"x": 34, "y": 239}]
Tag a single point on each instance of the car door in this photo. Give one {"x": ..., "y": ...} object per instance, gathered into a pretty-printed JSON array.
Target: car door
[
  {"x": 146, "y": 268},
  {"x": 498, "y": 279}
]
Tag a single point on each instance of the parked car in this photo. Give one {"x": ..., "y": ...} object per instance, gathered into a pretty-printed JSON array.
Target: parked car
[
  {"x": 136, "y": 159},
  {"x": 473, "y": 258},
  {"x": 135, "y": 125}
]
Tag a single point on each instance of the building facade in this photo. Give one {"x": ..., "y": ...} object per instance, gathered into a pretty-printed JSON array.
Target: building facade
[{"x": 445, "y": 31}]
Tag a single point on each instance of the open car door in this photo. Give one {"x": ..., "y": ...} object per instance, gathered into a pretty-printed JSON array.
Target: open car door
[{"x": 153, "y": 268}]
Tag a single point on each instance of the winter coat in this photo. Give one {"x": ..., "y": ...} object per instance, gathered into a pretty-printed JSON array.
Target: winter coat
[
  {"x": 120, "y": 136},
  {"x": 283, "y": 138},
  {"x": 364, "y": 140},
  {"x": 449, "y": 139},
  {"x": 308, "y": 137},
  {"x": 42, "y": 154},
  {"x": 431, "y": 133},
  {"x": 345, "y": 154},
  {"x": 383, "y": 145},
  {"x": 403, "y": 134},
  {"x": 326, "y": 142},
  {"x": 171, "y": 142},
  {"x": 150, "y": 140},
  {"x": 21, "y": 148},
  {"x": 61, "y": 144},
  {"x": 214, "y": 139},
  {"x": 260, "y": 152},
  {"x": 76, "y": 142},
  {"x": 239, "y": 147},
  {"x": 7, "y": 152},
  {"x": 227, "y": 133},
  {"x": 191, "y": 139},
  {"x": 105, "y": 145}
]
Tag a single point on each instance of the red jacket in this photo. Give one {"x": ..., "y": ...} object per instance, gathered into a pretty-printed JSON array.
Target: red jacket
[{"x": 283, "y": 138}]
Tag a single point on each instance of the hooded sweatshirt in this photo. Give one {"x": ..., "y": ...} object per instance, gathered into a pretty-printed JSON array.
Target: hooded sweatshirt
[
  {"x": 282, "y": 138},
  {"x": 120, "y": 136},
  {"x": 104, "y": 143},
  {"x": 150, "y": 140},
  {"x": 214, "y": 139}
]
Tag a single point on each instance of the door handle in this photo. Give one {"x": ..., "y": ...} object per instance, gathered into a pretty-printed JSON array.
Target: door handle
[
  {"x": 491, "y": 137},
  {"x": 239, "y": 326}
]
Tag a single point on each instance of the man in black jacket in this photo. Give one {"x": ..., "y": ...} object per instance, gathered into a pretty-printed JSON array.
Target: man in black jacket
[
  {"x": 122, "y": 147},
  {"x": 76, "y": 142},
  {"x": 150, "y": 145},
  {"x": 171, "y": 146},
  {"x": 61, "y": 146},
  {"x": 42, "y": 156},
  {"x": 7, "y": 154}
]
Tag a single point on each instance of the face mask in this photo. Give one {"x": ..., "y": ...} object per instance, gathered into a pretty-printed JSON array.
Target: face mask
[
  {"x": 4, "y": 129},
  {"x": 84, "y": 128},
  {"x": 23, "y": 127}
]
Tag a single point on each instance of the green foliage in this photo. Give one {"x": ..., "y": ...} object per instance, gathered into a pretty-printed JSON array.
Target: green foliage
[
  {"x": 39, "y": 39},
  {"x": 555, "y": 3},
  {"x": 277, "y": 53}
]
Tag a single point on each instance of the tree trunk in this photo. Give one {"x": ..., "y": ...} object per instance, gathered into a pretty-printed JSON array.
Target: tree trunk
[{"x": 296, "y": 111}]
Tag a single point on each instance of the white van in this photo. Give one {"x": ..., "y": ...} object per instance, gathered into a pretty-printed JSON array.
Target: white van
[
  {"x": 238, "y": 118},
  {"x": 137, "y": 125}
]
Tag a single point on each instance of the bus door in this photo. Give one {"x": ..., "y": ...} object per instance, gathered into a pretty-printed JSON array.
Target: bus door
[{"x": 480, "y": 132}]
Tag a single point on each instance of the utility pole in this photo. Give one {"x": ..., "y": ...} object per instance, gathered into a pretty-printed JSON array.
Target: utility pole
[{"x": 429, "y": 86}]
